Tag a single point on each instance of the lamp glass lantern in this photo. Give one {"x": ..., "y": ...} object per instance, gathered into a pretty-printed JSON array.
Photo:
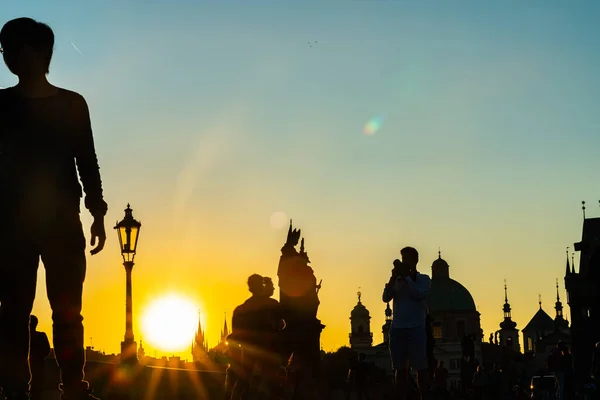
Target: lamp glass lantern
[{"x": 129, "y": 231}]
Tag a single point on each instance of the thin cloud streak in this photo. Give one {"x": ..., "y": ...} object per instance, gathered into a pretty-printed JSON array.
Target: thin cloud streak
[{"x": 76, "y": 49}]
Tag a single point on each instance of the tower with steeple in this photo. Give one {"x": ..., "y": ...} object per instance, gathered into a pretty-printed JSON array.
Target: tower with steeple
[
  {"x": 360, "y": 324},
  {"x": 224, "y": 331},
  {"x": 582, "y": 297},
  {"x": 560, "y": 322},
  {"x": 199, "y": 345},
  {"x": 509, "y": 334},
  {"x": 540, "y": 326}
]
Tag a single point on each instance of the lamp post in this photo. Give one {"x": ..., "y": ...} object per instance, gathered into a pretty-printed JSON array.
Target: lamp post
[{"x": 128, "y": 230}]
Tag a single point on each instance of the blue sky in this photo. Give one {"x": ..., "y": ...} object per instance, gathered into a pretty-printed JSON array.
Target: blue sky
[{"x": 211, "y": 116}]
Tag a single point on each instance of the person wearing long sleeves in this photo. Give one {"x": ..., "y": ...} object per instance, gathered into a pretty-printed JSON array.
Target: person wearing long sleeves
[
  {"x": 46, "y": 149},
  {"x": 408, "y": 289}
]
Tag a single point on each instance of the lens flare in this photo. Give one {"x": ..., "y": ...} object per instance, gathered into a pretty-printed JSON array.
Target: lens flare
[
  {"x": 373, "y": 126},
  {"x": 279, "y": 220}
]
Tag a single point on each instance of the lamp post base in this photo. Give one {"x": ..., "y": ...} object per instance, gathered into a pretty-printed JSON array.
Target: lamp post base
[{"x": 129, "y": 352}]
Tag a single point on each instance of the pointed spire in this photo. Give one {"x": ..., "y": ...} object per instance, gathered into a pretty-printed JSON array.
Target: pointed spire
[
  {"x": 507, "y": 323},
  {"x": 359, "y": 294},
  {"x": 583, "y": 208},
  {"x": 290, "y": 229},
  {"x": 439, "y": 253},
  {"x": 199, "y": 330},
  {"x": 558, "y": 307},
  {"x": 568, "y": 266},
  {"x": 540, "y": 300},
  {"x": 225, "y": 330}
]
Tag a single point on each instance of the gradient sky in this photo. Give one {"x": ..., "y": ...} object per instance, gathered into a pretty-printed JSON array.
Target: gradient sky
[{"x": 211, "y": 116}]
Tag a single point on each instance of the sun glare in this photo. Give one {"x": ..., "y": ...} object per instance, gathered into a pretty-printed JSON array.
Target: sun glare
[{"x": 169, "y": 323}]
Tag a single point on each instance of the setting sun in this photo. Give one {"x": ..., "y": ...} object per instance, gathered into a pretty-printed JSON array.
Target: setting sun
[{"x": 169, "y": 323}]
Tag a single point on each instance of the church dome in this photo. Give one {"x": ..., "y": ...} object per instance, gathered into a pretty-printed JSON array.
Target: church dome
[
  {"x": 446, "y": 294},
  {"x": 440, "y": 263}
]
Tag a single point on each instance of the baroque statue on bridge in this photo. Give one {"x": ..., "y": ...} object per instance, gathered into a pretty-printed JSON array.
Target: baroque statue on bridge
[{"x": 299, "y": 299}]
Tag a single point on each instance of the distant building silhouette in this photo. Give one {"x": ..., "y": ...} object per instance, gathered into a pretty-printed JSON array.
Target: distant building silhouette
[
  {"x": 225, "y": 331},
  {"x": 454, "y": 316},
  {"x": 582, "y": 296},
  {"x": 360, "y": 324},
  {"x": 540, "y": 325},
  {"x": 385, "y": 329},
  {"x": 542, "y": 332},
  {"x": 200, "y": 344},
  {"x": 222, "y": 346},
  {"x": 509, "y": 334},
  {"x": 361, "y": 337}
]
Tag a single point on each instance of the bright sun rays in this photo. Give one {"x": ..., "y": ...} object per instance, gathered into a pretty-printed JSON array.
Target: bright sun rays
[{"x": 169, "y": 323}]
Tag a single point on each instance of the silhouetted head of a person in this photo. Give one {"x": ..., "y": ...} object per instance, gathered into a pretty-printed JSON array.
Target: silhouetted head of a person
[
  {"x": 410, "y": 257},
  {"x": 255, "y": 284},
  {"x": 27, "y": 47},
  {"x": 269, "y": 288},
  {"x": 33, "y": 323},
  {"x": 361, "y": 357},
  {"x": 440, "y": 364}
]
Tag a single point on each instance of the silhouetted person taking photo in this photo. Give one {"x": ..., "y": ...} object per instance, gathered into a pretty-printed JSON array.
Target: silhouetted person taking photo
[
  {"x": 39, "y": 349},
  {"x": 45, "y": 140},
  {"x": 408, "y": 337}
]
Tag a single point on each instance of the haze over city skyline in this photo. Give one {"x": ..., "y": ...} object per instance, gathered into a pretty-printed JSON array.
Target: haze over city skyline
[{"x": 211, "y": 117}]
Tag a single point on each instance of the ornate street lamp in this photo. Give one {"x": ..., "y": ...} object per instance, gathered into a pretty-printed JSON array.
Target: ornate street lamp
[{"x": 128, "y": 230}]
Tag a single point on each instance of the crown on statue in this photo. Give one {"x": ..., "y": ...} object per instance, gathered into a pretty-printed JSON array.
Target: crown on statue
[{"x": 293, "y": 236}]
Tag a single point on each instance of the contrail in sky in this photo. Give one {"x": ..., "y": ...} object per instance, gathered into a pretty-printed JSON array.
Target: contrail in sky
[{"x": 76, "y": 49}]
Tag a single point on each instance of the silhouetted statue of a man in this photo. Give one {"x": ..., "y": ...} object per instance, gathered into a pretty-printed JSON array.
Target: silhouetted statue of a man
[
  {"x": 39, "y": 349},
  {"x": 45, "y": 140},
  {"x": 299, "y": 301}
]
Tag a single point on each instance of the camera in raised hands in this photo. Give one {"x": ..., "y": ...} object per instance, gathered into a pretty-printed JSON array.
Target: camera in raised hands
[{"x": 400, "y": 270}]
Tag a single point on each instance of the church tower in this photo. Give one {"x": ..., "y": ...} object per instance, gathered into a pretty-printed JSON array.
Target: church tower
[
  {"x": 199, "y": 345},
  {"x": 388, "y": 324},
  {"x": 224, "y": 331},
  {"x": 584, "y": 303},
  {"x": 560, "y": 321},
  {"x": 509, "y": 334},
  {"x": 360, "y": 323}
]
